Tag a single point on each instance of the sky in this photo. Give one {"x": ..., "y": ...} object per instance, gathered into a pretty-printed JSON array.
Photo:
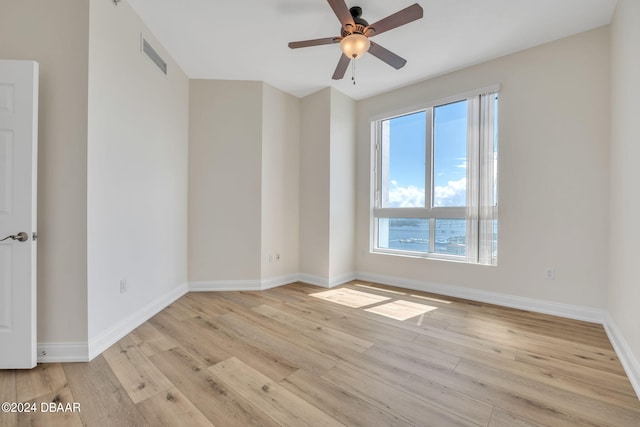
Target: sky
[{"x": 407, "y": 157}]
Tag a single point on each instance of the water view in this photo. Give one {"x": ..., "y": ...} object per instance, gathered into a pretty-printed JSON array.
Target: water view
[{"x": 413, "y": 234}]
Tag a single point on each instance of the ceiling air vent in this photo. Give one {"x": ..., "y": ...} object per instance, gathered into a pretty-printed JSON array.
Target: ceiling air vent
[{"x": 154, "y": 56}]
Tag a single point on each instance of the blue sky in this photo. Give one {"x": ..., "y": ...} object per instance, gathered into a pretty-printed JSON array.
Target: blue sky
[{"x": 407, "y": 156}]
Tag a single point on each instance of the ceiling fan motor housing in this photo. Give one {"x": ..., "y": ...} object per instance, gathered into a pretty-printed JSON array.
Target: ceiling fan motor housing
[{"x": 361, "y": 24}]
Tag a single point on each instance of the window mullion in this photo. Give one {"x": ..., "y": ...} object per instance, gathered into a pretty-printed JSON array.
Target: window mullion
[
  {"x": 383, "y": 165},
  {"x": 473, "y": 177},
  {"x": 428, "y": 178},
  {"x": 428, "y": 185},
  {"x": 437, "y": 213},
  {"x": 377, "y": 168}
]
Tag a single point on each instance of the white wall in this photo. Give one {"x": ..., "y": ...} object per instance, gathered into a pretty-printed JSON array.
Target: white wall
[
  {"x": 327, "y": 188},
  {"x": 342, "y": 187},
  {"x": 315, "y": 137},
  {"x": 624, "y": 288},
  {"x": 225, "y": 159},
  {"x": 137, "y": 175},
  {"x": 280, "y": 183},
  {"x": 56, "y": 34},
  {"x": 243, "y": 184},
  {"x": 553, "y": 173}
]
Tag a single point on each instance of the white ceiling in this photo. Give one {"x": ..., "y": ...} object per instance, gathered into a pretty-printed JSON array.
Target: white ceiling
[{"x": 247, "y": 40}]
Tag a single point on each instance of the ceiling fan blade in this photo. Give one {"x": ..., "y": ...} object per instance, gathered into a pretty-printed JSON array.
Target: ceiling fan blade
[
  {"x": 395, "y": 20},
  {"x": 343, "y": 64},
  {"x": 314, "y": 42},
  {"x": 342, "y": 12},
  {"x": 387, "y": 56}
]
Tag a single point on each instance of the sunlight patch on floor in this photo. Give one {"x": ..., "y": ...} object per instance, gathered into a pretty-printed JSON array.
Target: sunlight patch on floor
[
  {"x": 401, "y": 310},
  {"x": 349, "y": 297}
]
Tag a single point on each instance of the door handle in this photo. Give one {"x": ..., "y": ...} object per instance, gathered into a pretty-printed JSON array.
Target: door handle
[{"x": 20, "y": 237}]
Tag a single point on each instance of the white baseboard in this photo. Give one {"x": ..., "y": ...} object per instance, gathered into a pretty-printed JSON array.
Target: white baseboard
[
  {"x": 242, "y": 285},
  {"x": 629, "y": 361},
  {"x": 225, "y": 285},
  {"x": 53, "y": 352},
  {"x": 531, "y": 304},
  {"x": 314, "y": 280},
  {"x": 279, "y": 281},
  {"x": 109, "y": 337},
  {"x": 327, "y": 282},
  {"x": 342, "y": 279}
]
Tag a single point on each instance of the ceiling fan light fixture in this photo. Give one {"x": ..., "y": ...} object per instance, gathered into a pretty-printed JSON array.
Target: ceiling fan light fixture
[
  {"x": 355, "y": 33},
  {"x": 355, "y": 45}
]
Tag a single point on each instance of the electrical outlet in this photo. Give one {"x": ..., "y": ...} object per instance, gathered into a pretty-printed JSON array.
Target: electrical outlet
[
  {"x": 123, "y": 286},
  {"x": 549, "y": 274}
]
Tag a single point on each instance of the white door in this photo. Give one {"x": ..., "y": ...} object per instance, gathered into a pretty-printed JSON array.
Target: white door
[{"x": 18, "y": 160}]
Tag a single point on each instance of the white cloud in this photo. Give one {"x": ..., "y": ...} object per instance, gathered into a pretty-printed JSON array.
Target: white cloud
[
  {"x": 453, "y": 194},
  {"x": 406, "y": 197}
]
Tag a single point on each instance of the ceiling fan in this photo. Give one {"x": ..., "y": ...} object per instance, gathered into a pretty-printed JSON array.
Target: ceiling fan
[{"x": 355, "y": 33}]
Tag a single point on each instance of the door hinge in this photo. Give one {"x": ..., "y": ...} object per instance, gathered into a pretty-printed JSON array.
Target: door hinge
[{"x": 34, "y": 236}]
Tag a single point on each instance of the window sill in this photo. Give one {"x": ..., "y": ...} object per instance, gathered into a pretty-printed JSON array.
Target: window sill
[{"x": 427, "y": 256}]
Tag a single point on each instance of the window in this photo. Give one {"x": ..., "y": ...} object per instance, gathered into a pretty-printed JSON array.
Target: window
[{"x": 435, "y": 180}]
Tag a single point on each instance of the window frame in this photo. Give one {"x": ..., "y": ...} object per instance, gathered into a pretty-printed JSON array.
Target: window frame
[{"x": 429, "y": 212}]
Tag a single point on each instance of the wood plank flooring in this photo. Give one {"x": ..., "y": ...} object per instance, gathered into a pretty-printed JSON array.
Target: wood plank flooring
[{"x": 358, "y": 355}]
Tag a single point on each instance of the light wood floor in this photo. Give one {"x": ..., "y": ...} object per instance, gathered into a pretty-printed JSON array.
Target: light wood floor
[{"x": 305, "y": 356}]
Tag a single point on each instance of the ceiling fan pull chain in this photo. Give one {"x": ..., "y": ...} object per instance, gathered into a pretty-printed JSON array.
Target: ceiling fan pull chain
[{"x": 353, "y": 71}]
